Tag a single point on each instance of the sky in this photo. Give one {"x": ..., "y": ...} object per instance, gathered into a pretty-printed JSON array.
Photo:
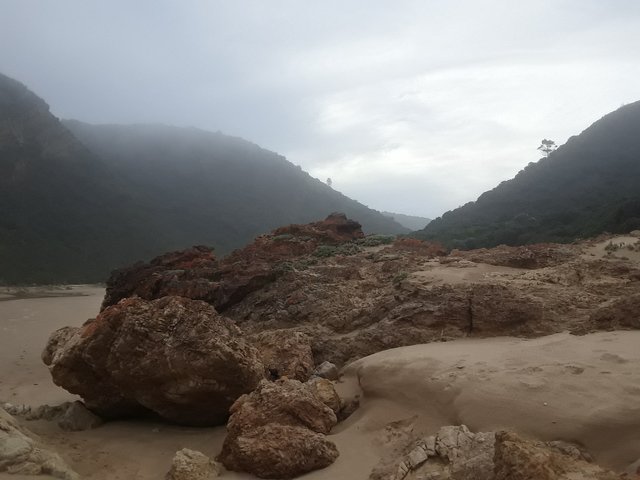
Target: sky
[{"x": 414, "y": 107}]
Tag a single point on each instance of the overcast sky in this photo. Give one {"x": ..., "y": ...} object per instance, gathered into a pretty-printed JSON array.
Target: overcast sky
[{"x": 410, "y": 106}]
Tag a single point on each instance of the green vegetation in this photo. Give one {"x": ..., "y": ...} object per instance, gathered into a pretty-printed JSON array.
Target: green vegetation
[
  {"x": 588, "y": 186},
  {"x": 78, "y": 200}
]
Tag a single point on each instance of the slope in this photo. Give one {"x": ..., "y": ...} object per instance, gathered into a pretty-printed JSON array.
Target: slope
[
  {"x": 588, "y": 186},
  {"x": 216, "y": 189},
  {"x": 69, "y": 215},
  {"x": 63, "y": 216}
]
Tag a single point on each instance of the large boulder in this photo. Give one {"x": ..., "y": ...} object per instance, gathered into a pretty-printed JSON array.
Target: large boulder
[
  {"x": 173, "y": 356},
  {"x": 21, "y": 454},
  {"x": 278, "y": 431}
]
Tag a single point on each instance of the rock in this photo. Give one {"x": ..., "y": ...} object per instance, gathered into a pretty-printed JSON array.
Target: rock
[
  {"x": 183, "y": 273},
  {"x": 518, "y": 459},
  {"x": 454, "y": 453},
  {"x": 277, "y": 431},
  {"x": 285, "y": 353},
  {"x": 534, "y": 256},
  {"x": 327, "y": 370},
  {"x": 21, "y": 454},
  {"x": 192, "y": 465},
  {"x": 279, "y": 451},
  {"x": 618, "y": 314},
  {"x": 77, "y": 418},
  {"x": 195, "y": 273},
  {"x": 326, "y": 392},
  {"x": 173, "y": 356}
]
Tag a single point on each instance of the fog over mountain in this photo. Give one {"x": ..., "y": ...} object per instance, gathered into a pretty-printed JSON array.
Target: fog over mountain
[{"x": 413, "y": 108}]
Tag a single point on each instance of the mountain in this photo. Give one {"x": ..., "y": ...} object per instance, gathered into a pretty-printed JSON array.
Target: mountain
[
  {"x": 587, "y": 186},
  {"x": 73, "y": 209},
  {"x": 411, "y": 222},
  {"x": 223, "y": 190}
]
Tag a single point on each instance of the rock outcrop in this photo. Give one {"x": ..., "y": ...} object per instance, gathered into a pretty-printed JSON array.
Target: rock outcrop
[
  {"x": 518, "y": 459},
  {"x": 285, "y": 353},
  {"x": 455, "y": 453},
  {"x": 194, "y": 273},
  {"x": 192, "y": 465},
  {"x": 621, "y": 313},
  {"x": 188, "y": 273},
  {"x": 21, "y": 454},
  {"x": 173, "y": 356},
  {"x": 278, "y": 431}
]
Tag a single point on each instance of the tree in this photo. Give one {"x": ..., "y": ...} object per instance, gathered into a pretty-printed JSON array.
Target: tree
[
  {"x": 329, "y": 181},
  {"x": 547, "y": 147}
]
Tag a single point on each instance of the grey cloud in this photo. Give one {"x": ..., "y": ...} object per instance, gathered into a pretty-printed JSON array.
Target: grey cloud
[{"x": 411, "y": 106}]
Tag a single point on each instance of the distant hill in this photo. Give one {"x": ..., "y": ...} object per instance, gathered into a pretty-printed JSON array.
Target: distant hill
[
  {"x": 77, "y": 201},
  {"x": 587, "y": 186},
  {"x": 411, "y": 222}
]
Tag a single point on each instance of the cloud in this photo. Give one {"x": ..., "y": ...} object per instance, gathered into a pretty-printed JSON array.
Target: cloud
[{"x": 415, "y": 107}]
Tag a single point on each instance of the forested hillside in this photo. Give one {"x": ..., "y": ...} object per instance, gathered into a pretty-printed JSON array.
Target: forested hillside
[
  {"x": 587, "y": 186},
  {"x": 71, "y": 210}
]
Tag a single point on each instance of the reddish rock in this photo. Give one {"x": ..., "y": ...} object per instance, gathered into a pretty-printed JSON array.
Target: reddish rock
[
  {"x": 173, "y": 356},
  {"x": 194, "y": 273},
  {"x": 279, "y": 451},
  {"x": 187, "y": 273},
  {"x": 278, "y": 430}
]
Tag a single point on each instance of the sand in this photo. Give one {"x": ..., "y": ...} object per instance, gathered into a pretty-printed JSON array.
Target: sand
[{"x": 583, "y": 389}]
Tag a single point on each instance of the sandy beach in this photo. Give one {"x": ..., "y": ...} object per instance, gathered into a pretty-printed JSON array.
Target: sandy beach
[{"x": 581, "y": 389}]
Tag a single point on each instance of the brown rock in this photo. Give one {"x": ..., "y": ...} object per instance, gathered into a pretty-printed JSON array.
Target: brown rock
[
  {"x": 276, "y": 431},
  {"x": 518, "y": 459},
  {"x": 195, "y": 273},
  {"x": 187, "y": 273},
  {"x": 173, "y": 356},
  {"x": 285, "y": 353},
  {"x": 620, "y": 313},
  {"x": 279, "y": 451}
]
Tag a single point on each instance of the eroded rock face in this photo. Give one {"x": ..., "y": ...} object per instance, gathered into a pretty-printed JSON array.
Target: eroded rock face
[
  {"x": 518, "y": 459},
  {"x": 455, "y": 453},
  {"x": 20, "y": 454},
  {"x": 620, "y": 314},
  {"x": 277, "y": 431},
  {"x": 188, "y": 273},
  {"x": 195, "y": 273},
  {"x": 285, "y": 353},
  {"x": 173, "y": 356}
]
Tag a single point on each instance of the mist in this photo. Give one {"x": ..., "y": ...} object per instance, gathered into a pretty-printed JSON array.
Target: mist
[{"x": 415, "y": 107}]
